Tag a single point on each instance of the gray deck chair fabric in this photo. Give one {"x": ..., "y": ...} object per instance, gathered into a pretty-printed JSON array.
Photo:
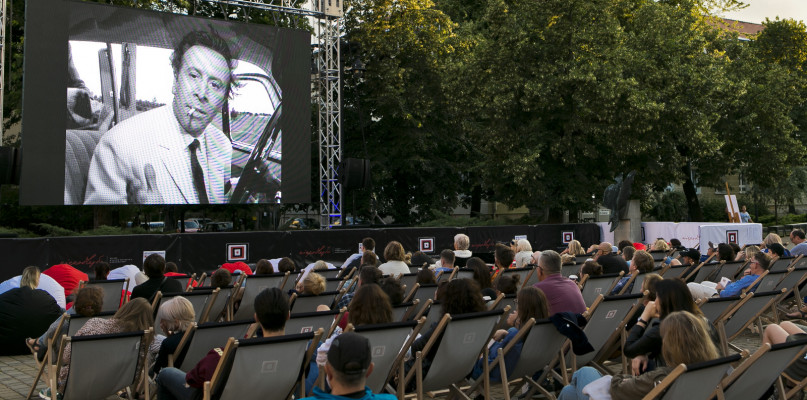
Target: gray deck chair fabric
[
  {"x": 598, "y": 285},
  {"x": 792, "y": 279},
  {"x": 265, "y": 367},
  {"x": 308, "y": 303},
  {"x": 729, "y": 270},
  {"x": 408, "y": 279},
  {"x": 675, "y": 272},
  {"x": 570, "y": 269},
  {"x": 580, "y": 260},
  {"x": 182, "y": 279},
  {"x": 434, "y": 314},
  {"x": 507, "y": 300},
  {"x": 748, "y": 312},
  {"x": 715, "y": 307},
  {"x": 539, "y": 349},
  {"x": 77, "y": 321},
  {"x": 219, "y": 304},
  {"x": 101, "y": 365},
  {"x": 329, "y": 273},
  {"x": 112, "y": 292},
  {"x": 771, "y": 281},
  {"x": 198, "y": 300},
  {"x": 425, "y": 292},
  {"x": 760, "y": 375},
  {"x": 401, "y": 310},
  {"x": 521, "y": 272},
  {"x": 463, "y": 341},
  {"x": 705, "y": 271},
  {"x": 211, "y": 335},
  {"x": 658, "y": 255},
  {"x": 310, "y": 322},
  {"x": 638, "y": 282},
  {"x": 604, "y": 324},
  {"x": 386, "y": 342},
  {"x": 462, "y": 273},
  {"x": 253, "y": 285},
  {"x": 781, "y": 264},
  {"x": 700, "y": 380},
  {"x": 332, "y": 284}
]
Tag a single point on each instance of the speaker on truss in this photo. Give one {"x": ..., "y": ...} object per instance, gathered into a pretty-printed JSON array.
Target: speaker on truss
[{"x": 354, "y": 173}]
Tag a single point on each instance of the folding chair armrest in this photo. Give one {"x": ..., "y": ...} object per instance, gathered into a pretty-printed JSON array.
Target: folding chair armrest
[
  {"x": 520, "y": 335},
  {"x": 666, "y": 382},
  {"x": 616, "y": 280},
  {"x": 632, "y": 278},
  {"x": 594, "y": 306},
  {"x": 755, "y": 282},
  {"x": 411, "y": 293},
  {"x": 496, "y": 301}
]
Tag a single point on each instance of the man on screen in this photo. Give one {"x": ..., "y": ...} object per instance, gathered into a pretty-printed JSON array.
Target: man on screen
[{"x": 172, "y": 154}]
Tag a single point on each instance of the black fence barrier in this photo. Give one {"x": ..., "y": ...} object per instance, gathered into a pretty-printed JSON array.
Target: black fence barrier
[{"x": 203, "y": 252}]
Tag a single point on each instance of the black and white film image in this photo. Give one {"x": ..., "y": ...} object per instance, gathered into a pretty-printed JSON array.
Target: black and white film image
[{"x": 187, "y": 115}]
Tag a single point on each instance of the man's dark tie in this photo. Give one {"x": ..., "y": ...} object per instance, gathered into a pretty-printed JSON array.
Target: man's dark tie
[{"x": 198, "y": 174}]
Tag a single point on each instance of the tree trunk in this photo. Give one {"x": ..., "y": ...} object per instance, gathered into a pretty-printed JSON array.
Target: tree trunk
[
  {"x": 691, "y": 194},
  {"x": 476, "y": 201},
  {"x": 791, "y": 206}
]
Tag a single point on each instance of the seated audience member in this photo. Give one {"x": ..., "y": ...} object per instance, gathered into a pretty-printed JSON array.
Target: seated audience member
[
  {"x": 422, "y": 260},
  {"x": 643, "y": 344},
  {"x": 101, "y": 270},
  {"x": 627, "y": 254},
  {"x": 367, "y": 274},
  {"x": 286, "y": 264},
  {"x": 89, "y": 302},
  {"x": 394, "y": 289},
  {"x": 565, "y": 259},
  {"x": 221, "y": 278},
  {"x": 172, "y": 270},
  {"x": 46, "y": 283},
  {"x": 425, "y": 277},
  {"x": 67, "y": 276},
  {"x": 154, "y": 267},
  {"x": 445, "y": 264},
  {"x": 135, "y": 276},
  {"x": 508, "y": 284},
  {"x": 135, "y": 315},
  {"x": 395, "y": 256},
  {"x": 318, "y": 265},
  {"x": 354, "y": 261},
  {"x": 777, "y": 251},
  {"x": 562, "y": 293},
  {"x": 531, "y": 304},
  {"x": 590, "y": 268},
  {"x": 620, "y": 247},
  {"x": 574, "y": 248},
  {"x": 171, "y": 267},
  {"x": 756, "y": 267},
  {"x": 523, "y": 253},
  {"x": 659, "y": 245},
  {"x": 788, "y": 332},
  {"x": 686, "y": 341},
  {"x": 643, "y": 262},
  {"x": 313, "y": 284},
  {"x": 502, "y": 259},
  {"x": 25, "y": 312},
  {"x": 725, "y": 252},
  {"x": 176, "y": 316},
  {"x": 271, "y": 313},
  {"x": 237, "y": 267},
  {"x": 462, "y": 244},
  {"x": 482, "y": 277},
  {"x": 747, "y": 253},
  {"x": 611, "y": 263},
  {"x": 264, "y": 267},
  {"x": 349, "y": 363},
  {"x": 675, "y": 244},
  {"x": 797, "y": 237},
  {"x": 461, "y": 296}
]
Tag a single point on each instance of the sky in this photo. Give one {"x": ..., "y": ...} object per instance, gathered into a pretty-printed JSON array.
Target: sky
[{"x": 758, "y": 10}]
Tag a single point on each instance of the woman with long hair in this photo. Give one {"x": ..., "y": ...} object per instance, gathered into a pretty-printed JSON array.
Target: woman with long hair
[
  {"x": 530, "y": 303},
  {"x": 686, "y": 341}
]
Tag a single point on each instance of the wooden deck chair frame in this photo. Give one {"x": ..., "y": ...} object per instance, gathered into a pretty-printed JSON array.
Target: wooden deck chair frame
[
  {"x": 725, "y": 270},
  {"x": 716, "y": 370},
  {"x": 792, "y": 262},
  {"x": 496, "y": 301},
  {"x": 252, "y": 290},
  {"x": 554, "y": 358},
  {"x": 52, "y": 346},
  {"x": 523, "y": 275},
  {"x": 722, "y": 305},
  {"x": 410, "y": 308},
  {"x": 764, "y": 368},
  {"x": 707, "y": 270},
  {"x": 771, "y": 281},
  {"x": 423, "y": 309},
  {"x": 453, "y": 273},
  {"x": 183, "y": 344},
  {"x": 410, "y": 296},
  {"x": 628, "y": 284},
  {"x": 600, "y": 282},
  {"x": 800, "y": 277},
  {"x": 726, "y": 338},
  {"x": 329, "y": 299},
  {"x": 201, "y": 281},
  {"x": 755, "y": 282},
  {"x": 431, "y": 288},
  {"x": 416, "y": 371},
  {"x": 333, "y": 321},
  {"x": 191, "y": 281},
  {"x": 607, "y": 346},
  {"x": 694, "y": 271}
]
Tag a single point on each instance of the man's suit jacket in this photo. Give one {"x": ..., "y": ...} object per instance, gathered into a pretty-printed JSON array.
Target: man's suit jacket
[{"x": 154, "y": 141}]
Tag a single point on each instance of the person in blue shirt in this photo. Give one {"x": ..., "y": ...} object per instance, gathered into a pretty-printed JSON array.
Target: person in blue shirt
[
  {"x": 756, "y": 267},
  {"x": 348, "y": 366}
]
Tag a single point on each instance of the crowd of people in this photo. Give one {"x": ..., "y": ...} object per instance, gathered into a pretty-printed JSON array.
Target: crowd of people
[{"x": 669, "y": 328}]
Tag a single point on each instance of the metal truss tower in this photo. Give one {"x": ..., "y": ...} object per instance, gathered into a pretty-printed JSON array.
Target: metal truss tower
[{"x": 2, "y": 63}]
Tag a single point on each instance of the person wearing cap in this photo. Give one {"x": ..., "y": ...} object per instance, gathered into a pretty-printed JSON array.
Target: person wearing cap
[
  {"x": 347, "y": 368},
  {"x": 271, "y": 314}
]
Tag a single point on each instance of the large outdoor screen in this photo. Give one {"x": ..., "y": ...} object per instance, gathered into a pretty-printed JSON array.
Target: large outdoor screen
[{"x": 162, "y": 108}]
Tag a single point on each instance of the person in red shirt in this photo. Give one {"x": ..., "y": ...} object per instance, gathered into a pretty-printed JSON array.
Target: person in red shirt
[
  {"x": 271, "y": 312},
  {"x": 236, "y": 266},
  {"x": 67, "y": 276}
]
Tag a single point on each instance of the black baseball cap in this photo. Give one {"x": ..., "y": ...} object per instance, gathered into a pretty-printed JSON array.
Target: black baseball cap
[
  {"x": 691, "y": 253},
  {"x": 350, "y": 354}
]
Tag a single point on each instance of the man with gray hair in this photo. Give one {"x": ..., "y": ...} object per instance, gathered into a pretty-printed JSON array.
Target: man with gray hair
[{"x": 561, "y": 292}]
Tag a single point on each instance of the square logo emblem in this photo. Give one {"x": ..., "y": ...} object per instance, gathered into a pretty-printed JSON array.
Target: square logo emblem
[{"x": 237, "y": 252}]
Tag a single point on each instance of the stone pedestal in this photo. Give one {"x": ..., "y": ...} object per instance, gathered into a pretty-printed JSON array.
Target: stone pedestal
[{"x": 630, "y": 228}]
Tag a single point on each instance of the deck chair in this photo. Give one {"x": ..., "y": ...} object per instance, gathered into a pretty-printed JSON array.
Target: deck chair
[
  {"x": 461, "y": 273},
  {"x": 523, "y": 274},
  {"x": 332, "y": 284},
  {"x": 102, "y": 365},
  {"x": 757, "y": 373},
  {"x": 197, "y": 298},
  {"x": 507, "y": 300},
  {"x": 753, "y": 286},
  {"x": 308, "y": 302},
  {"x": 113, "y": 292},
  {"x": 715, "y": 307},
  {"x": 179, "y": 353},
  {"x": 693, "y": 381},
  {"x": 674, "y": 271},
  {"x": 461, "y": 341},
  {"x": 53, "y": 345},
  {"x": 638, "y": 282},
  {"x": 607, "y": 317},
  {"x": 770, "y": 281},
  {"x": 217, "y": 307},
  {"x": 255, "y": 284},
  {"x": 261, "y": 367},
  {"x": 782, "y": 264},
  {"x": 433, "y": 314},
  {"x": 211, "y": 335},
  {"x": 184, "y": 280},
  {"x": 408, "y": 279},
  {"x": 405, "y": 311},
  {"x": 310, "y": 322},
  {"x": 707, "y": 272},
  {"x": 570, "y": 269},
  {"x": 599, "y": 285},
  {"x": 629, "y": 283},
  {"x": 730, "y": 270},
  {"x": 791, "y": 284},
  {"x": 75, "y": 322},
  {"x": 389, "y": 344},
  {"x": 425, "y": 292},
  {"x": 329, "y": 273},
  {"x": 746, "y": 312},
  {"x": 536, "y": 358}
]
